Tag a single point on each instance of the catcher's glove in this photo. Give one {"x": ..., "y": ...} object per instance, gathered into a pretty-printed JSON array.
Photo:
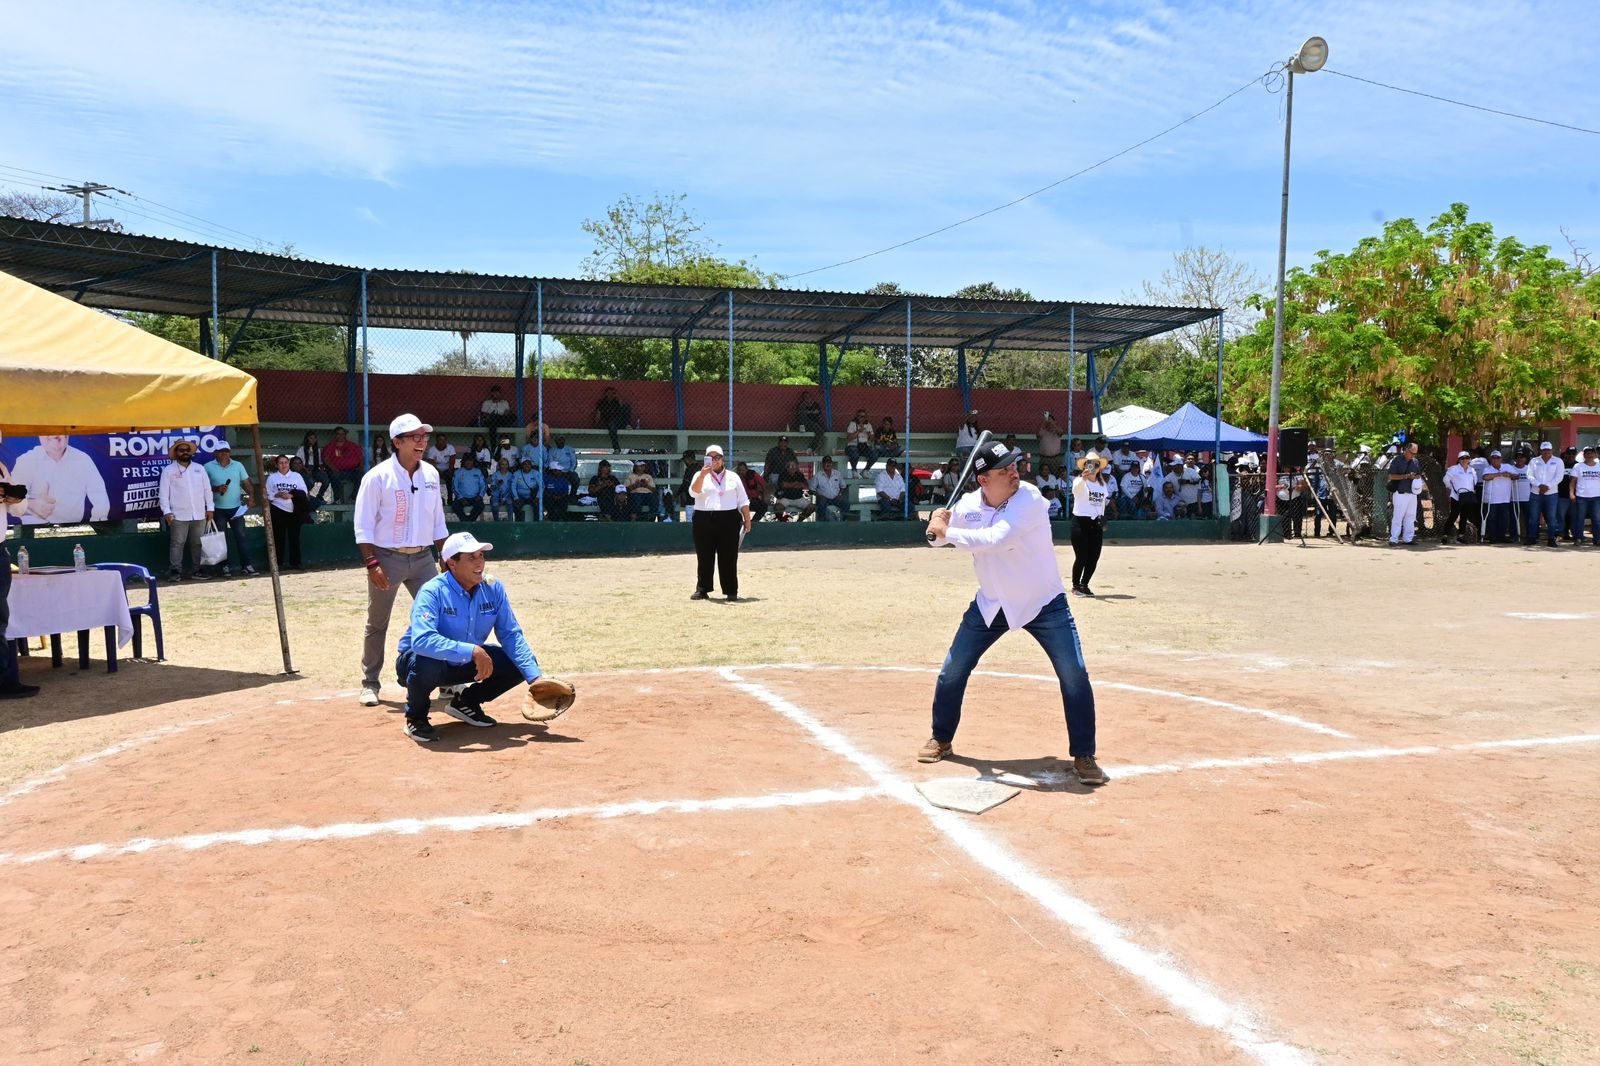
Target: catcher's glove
[{"x": 548, "y": 698}]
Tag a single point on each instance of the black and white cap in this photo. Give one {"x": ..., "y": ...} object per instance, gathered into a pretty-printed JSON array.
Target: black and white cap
[{"x": 993, "y": 456}]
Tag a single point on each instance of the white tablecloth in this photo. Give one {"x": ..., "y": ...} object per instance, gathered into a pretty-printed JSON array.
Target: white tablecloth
[{"x": 42, "y": 604}]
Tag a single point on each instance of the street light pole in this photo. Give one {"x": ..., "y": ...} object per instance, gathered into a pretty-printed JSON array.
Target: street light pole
[{"x": 1312, "y": 55}]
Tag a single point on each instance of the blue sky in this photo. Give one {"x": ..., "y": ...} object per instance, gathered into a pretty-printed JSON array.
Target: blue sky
[{"x": 480, "y": 135}]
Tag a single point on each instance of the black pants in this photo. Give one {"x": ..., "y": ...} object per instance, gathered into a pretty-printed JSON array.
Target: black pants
[
  {"x": 422, "y": 675},
  {"x": 1464, "y": 516},
  {"x": 286, "y": 535},
  {"x": 1088, "y": 536},
  {"x": 716, "y": 544}
]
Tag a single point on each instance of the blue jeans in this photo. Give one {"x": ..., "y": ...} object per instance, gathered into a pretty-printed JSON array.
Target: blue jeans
[
  {"x": 1586, "y": 509},
  {"x": 865, "y": 454},
  {"x": 1056, "y": 633},
  {"x": 1541, "y": 506},
  {"x": 1500, "y": 525},
  {"x": 236, "y": 548},
  {"x": 421, "y": 675},
  {"x": 829, "y": 503}
]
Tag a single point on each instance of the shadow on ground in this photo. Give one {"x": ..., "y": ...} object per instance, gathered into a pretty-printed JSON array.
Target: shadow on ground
[{"x": 68, "y": 693}]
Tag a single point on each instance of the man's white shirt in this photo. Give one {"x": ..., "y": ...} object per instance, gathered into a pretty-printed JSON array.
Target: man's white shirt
[
  {"x": 185, "y": 491},
  {"x": 399, "y": 510},
  {"x": 1132, "y": 483},
  {"x": 1459, "y": 479},
  {"x": 1521, "y": 489},
  {"x": 892, "y": 487},
  {"x": 70, "y": 481},
  {"x": 1498, "y": 488},
  {"x": 1012, "y": 553},
  {"x": 1586, "y": 480},
  {"x": 828, "y": 485},
  {"x": 1547, "y": 473}
]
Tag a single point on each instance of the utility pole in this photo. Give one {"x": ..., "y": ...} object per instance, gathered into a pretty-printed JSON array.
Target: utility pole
[{"x": 87, "y": 190}]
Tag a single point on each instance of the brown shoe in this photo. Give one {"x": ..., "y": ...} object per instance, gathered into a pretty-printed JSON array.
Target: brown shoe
[
  {"x": 933, "y": 751},
  {"x": 1088, "y": 770}
]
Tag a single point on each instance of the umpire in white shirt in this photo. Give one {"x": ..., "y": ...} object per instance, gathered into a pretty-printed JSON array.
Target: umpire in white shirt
[
  {"x": 1005, "y": 525},
  {"x": 186, "y": 507},
  {"x": 721, "y": 519},
  {"x": 399, "y": 525},
  {"x": 1462, "y": 482}
]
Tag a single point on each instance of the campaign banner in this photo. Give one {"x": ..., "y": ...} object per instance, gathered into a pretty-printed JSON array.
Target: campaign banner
[{"x": 97, "y": 477}]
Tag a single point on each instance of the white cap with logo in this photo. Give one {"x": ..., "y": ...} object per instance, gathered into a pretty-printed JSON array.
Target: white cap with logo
[
  {"x": 456, "y": 543},
  {"x": 407, "y": 424}
]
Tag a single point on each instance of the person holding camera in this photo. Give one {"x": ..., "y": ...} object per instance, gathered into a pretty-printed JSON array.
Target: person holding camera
[
  {"x": 721, "y": 519},
  {"x": 1090, "y": 493}
]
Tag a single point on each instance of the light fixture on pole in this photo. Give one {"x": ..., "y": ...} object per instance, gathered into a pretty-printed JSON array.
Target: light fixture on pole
[{"x": 1310, "y": 59}]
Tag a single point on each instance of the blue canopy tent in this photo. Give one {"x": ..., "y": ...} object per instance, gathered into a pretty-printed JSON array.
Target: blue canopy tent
[{"x": 1191, "y": 429}]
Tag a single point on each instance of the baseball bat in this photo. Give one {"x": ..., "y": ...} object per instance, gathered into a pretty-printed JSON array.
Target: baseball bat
[{"x": 983, "y": 438}]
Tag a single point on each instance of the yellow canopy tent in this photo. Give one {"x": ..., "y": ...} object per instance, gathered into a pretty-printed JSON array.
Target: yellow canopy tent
[{"x": 65, "y": 368}]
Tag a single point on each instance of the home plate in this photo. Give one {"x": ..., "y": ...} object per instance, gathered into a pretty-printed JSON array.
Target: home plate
[{"x": 964, "y": 794}]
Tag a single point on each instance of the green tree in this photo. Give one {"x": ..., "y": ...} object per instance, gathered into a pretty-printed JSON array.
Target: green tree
[
  {"x": 1437, "y": 330},
  {"x": 264, "y": 344}
]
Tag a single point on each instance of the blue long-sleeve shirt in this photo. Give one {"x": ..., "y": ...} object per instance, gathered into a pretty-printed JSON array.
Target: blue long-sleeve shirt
[
  {"x": 501, "y": 484},
  {"x": 468, "y": 483},
  {"x": 525, "y": 484},
  {"x": 447, "y": 622}
]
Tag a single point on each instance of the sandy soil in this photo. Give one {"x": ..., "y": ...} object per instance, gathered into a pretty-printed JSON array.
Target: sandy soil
[{"x": 1433, "y": 907}]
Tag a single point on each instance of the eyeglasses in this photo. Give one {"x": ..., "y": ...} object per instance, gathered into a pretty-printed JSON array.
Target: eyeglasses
[{"x": 420, "y": 438}]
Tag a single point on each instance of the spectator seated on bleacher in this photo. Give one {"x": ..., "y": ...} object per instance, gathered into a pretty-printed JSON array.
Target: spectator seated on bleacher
[
  {"x": 611, "y": 415},
  {"x": 313, "y": 469},
  {"x": 1123, "y": 460},
  {"x": 534, "y": 445},
  {"x": 1168, "y": 504},
  {"x": 508, "y": 451},
  {"x": 691, "y": 466},
  {"x": 482, "y": 452},
  {"x": 808, "y": 419},
  {"x": 500, "y": 494},
  {"x": 494, "y": 414},
  {"x": 342, "y": 458},
  {"x": 557, "y": 494},
  {"x": 755, "y": 487},
  {"x": 779, "y": 456},
  {"x": 316, "y": 488},
  {"x": 827, "y": 487},
  {"x": 859, "y": 438},
  {"x": 442, "y": 454},
  {"x": 603, "y": 489},
  {"x": 467, "y": 488},
  {"x": 562, "y": 460},
  {"x": 1025, "y": 469},
  {"x": 891, "y": 491},
  {"x": 1052, "y": 487},
  {"x": 967, "y": 435},
  {"x": 886, "y": 441},
  {"x": 791, "y": 495},
  {"x": 644, "y": 503},
  {"x": 1130, "y": 493},
  {"x": 525, "y": 485}
]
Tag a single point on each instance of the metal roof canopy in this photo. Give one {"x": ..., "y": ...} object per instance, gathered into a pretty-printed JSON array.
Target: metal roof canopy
[{"x": 119, "y": 271}]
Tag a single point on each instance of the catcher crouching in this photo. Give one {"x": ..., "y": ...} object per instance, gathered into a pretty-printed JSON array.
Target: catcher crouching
[{"x": 446, "y": 644}]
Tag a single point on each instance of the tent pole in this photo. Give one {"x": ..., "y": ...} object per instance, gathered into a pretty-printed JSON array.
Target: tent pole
[{"x": 272, "y": 548}]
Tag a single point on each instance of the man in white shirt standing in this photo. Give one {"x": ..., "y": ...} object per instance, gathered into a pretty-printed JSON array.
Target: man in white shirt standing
[
  {"x": 1586, "y": 495},
  {"x": 186, "y": 507},
  {"x": 1462, "y": 484},
  {"x": 1005, "y": 525},
  {"x": 891, "y": 492},
  {"x": 1499, "y": 484},
  {"x": 1544, "y": 483},
  {"x": 399, "y": 525}
]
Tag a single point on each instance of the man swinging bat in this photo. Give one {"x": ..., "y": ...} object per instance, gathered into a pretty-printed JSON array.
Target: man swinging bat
[
  {"x": 446, "y": 645},
  {"x": 1005, "y": 525}
]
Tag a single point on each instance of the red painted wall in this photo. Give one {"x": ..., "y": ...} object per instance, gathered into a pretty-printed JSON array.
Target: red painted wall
[{"x": 320, "y": 398}]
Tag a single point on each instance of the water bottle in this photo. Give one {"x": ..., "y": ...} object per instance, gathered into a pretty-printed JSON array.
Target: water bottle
[
  {"x": 80, "y": 561},
  {"x": 22, "y": 561}
]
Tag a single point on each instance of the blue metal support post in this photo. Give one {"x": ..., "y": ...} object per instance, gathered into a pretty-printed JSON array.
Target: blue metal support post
[
  {"x": 216, "y": 311},
  {"x": 1094, "y": 392},
  {"x": 364, "y": 354},
  {"x": 961, "y": 377},
  {"x": 826, "y": 381},
  {"x": 677, "y": 380},
  {"x": 905, "y": 447},
  {"x": 1221, "y": 491},
  {"x": 1072, "y": 373},
  {"x": 538, "y": 365},
  {"x": 730, "y": 375}
]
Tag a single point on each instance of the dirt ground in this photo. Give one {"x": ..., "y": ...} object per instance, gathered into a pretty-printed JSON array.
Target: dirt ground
[{"x": 1352, "y": 803}]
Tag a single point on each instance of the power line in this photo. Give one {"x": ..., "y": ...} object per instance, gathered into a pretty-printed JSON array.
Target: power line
[
  {"x": 1463, "y": 103},
  {"x": 1029, "y": 195}
]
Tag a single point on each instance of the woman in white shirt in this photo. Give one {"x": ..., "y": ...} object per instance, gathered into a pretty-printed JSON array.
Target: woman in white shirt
[
  {"x": 282, "y": 484},
  {"x": 1089, "y": 496},
  {"x": 721, "y": 519}
]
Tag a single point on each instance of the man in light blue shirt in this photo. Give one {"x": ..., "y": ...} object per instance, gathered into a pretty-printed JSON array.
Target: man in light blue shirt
[
  {"x": 231, "y": 492},
  {"x": 446, "y": 643},
  {"x": 468, "y": 486}
]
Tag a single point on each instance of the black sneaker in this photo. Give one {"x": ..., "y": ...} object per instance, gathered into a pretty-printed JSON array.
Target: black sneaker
[
  {"x": 16, "y": 690},
  {"x": 699, "y": 594},
  {"x": 199, "y": 575},
  {"x": 469, "y": 713},
  {"x": 420, "y": 731},
  {"x": 174, "y": 576}
]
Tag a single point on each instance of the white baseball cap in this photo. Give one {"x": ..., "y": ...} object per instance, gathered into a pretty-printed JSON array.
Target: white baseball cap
[
  {"x": 457, "y": 543},
  {"x": 1543, "y": 445},
  {"x": 713, "y": 449},
  {"x": 1496, "y": 454},
  {"x": 1463, "y": 455},
  {"x": 407, "y": 424}
]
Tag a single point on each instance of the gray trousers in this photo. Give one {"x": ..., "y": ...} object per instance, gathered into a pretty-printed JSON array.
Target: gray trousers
[
  {"x": 181, "y": 533},
  {"x": 412, "y": 571}
]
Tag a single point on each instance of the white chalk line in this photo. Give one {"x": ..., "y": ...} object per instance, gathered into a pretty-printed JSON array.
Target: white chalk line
[
  {"x": 1120, "y": 686},
  {"x": 52, "y": 776},
  {"x": 470, "y": 823},
  {"x": 1302, "y": 758},
  {"x": 1535, "y": 616},
  {"x": 1197, "y": 1002}
]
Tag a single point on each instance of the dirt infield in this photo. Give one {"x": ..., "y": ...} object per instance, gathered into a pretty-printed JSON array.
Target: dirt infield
[{"x": 1343, "y": 826}]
